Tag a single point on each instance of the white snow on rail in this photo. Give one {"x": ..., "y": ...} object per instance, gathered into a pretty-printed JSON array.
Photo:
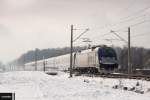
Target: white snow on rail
[{"x": 32, "y": 85}]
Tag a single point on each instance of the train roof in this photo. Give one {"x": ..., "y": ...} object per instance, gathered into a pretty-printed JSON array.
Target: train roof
[
  {"x": 38, "y": 61},
  {"x": 93, "y": 48}
]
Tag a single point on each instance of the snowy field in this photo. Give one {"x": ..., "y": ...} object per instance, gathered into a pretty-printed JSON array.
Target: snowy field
[{"x": 29, "y": 85}]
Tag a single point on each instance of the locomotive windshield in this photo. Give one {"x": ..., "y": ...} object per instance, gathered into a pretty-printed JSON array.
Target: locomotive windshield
[{"x": 107, "y": 52}]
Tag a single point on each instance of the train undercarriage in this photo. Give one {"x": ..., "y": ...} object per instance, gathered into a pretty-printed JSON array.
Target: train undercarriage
[{"x": 102, "y": 69}]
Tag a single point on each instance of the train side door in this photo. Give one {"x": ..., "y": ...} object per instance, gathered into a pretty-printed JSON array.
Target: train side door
[{"x": 92, "y": 59}]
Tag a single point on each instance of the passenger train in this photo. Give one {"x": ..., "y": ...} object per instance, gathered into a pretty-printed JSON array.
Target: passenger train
[{"x": 102, "y": 59}]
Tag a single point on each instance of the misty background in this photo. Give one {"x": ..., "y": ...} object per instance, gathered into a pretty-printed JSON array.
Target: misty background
[{"x": 27, "y": 25}]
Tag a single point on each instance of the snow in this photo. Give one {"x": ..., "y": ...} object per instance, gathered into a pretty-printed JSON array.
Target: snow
[{"x": 36, "y": 85}]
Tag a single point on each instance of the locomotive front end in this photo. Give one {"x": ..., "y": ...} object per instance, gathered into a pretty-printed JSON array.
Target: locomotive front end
[{"x": 107, "y": 60}]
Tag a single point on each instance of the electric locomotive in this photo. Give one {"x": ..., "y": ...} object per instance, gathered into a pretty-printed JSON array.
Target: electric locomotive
[{"x": 101, "y": 59}]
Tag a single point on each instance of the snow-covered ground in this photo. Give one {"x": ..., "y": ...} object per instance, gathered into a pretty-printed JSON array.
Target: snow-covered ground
[{"x": 30, "y": 85}]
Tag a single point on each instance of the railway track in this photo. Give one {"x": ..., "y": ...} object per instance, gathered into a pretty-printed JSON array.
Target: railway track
[{"x": 118, "y": 75}]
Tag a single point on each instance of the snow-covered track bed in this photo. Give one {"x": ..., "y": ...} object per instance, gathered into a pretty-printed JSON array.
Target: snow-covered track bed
[{"x": 118, "y": 75}]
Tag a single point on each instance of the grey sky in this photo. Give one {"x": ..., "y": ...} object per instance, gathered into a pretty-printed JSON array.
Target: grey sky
[{"x": 29, "y": 24}]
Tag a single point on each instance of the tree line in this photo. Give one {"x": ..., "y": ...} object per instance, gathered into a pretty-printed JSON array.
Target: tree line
[
  {"x": 39, "y": 54},
  {"x": 140, "y": 57}
]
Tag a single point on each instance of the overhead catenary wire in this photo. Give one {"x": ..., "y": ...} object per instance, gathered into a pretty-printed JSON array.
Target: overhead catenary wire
[
  {"x": 137, "y": 12},
  {"x": 140, "y": 35},
  {"x": 127, "y": 19},
  {"x": 101, "y": 35},
  {"x": 133, "y": 37},
  {"x": 108, "y": 33},
  {"x": 131, "y": 25},
  {"x": 81, "y": 35},
  {"x": 144, "y": 21},
  {"x": 118, "y": 36},
  {"x": 128, "y": 6}
]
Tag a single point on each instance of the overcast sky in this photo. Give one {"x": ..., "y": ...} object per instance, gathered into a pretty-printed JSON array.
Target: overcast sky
[{"x": 30, "y": 24}]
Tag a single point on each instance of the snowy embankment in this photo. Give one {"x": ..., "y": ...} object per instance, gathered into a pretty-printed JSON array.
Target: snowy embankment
[{"x": 29, "y": 85}]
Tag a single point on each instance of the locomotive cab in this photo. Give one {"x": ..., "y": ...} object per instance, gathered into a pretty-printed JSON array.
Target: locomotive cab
[{"x": 107, "y": 60}]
